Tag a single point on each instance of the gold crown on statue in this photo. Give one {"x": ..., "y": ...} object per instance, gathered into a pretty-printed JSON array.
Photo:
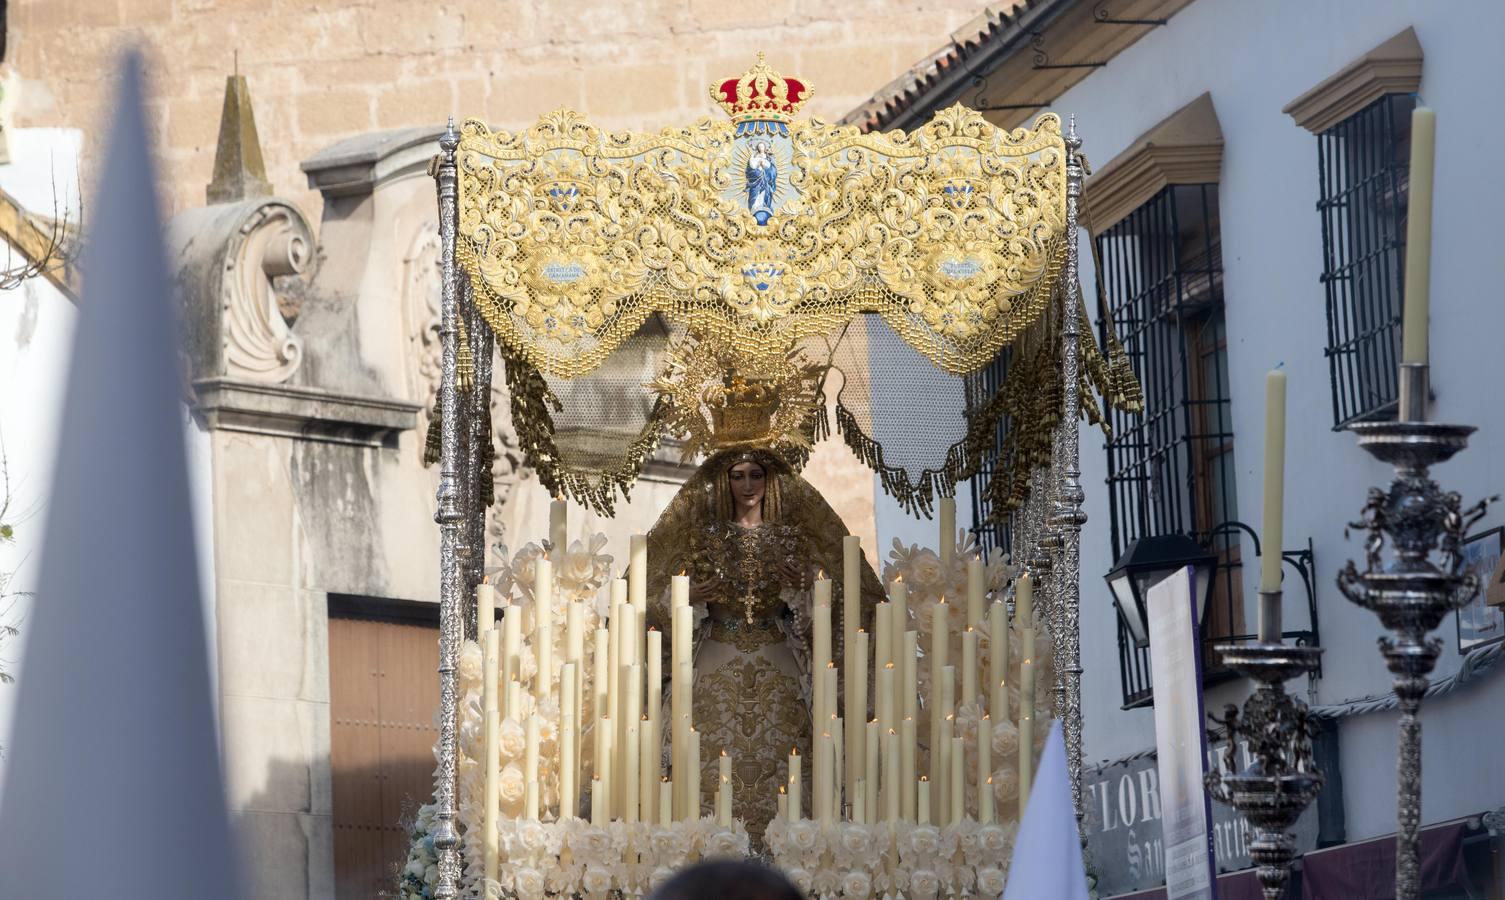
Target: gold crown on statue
[
  {"x": 761, "y": 95},
  {"x": 742, "y": 411},
  {"x": 717, "y": 400}
]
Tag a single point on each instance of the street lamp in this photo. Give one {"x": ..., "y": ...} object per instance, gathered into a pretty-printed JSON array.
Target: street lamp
[{"x": 1145, "y": 563}]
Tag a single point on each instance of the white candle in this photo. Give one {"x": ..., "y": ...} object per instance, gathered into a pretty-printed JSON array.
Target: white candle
[
  {"x": 851, "y": 583},
  {"x": 574, "y": 633},
  {"x": 783, "y": 803},
  {"x": 948, "y": 530},
  {"x": 599, "y": 664},
  {"x": 568, "y": 735},
  {"x": 559, "y": 528},
  {"x": 1274, "y": 512},
  {"x": 820, "y": 626},
  {"x": 909, "y": 708},
  {"x": 958, "y": 803},
  {"x": 605, "y": 763},
  {"x": 530, "y": 801},
  {"x": 838, "y": 760},
  {"x": 485, "y": 607},
  {"x": 1414, "y": 336},
  {"x": 653, "y": 692},
  {"x": 530, "y": 767},
  {"x": 512, "y": 641},
  {"x": 665, "y": 802},
  {"x": 491, "y": 853},
  {"x": 898, "y": 595},
  {"x": 637, "y": 573},
  {"x": 859, "y": 804},
  {"x": 694, "y": 771},
  {"x": 892, "y": 791},
  {"x": 679, "y": 591},
  {"x": 922, "y": 803},
  {"x": 724, "y": 792},
  {"x": 940, "y": 770},
  {"x": 969, "y": 667},
  {"x": 794, "y": 785},
  {"x": 985, "y": 770},
  {"x": 872, "y": 742},
  {"x": 543, "y": 626},
  {"x": 514, "y": 705},
  {"x": 998, "y": 659},
  {"x": 1026, "y": 732},
  {"x": 1024, "y": 601},
  {"x": 940, "y": 640},
  {"x": 631, "y": 777},
  {"x": 883, "y": 651},
  {"x": 856, "y": 709},
  {"x": 598, "y": 818},
  {"x": 907, "y": 741},
  {"x": 975, "y": 592},
  {"x": 884, "y": 705}
]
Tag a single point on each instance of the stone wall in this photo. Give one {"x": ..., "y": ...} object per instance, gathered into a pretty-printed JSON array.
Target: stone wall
[{"x": 322, "y": 71}]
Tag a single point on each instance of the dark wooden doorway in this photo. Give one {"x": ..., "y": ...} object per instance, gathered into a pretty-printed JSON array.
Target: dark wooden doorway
[{"x": 383, "y": 692}]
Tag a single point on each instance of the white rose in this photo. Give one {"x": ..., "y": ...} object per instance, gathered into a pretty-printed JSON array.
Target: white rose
[
  {"x": 659, "y": 876},
  {"x": 414, "y": 868},
  {"x": 923, "y": 883},
  {"x": 511, "y": 739},
  {"x": 511, "y": 785},
  {"x": 856, "y": 884},
  {"x": 803, "y": 835},
  {"x": 721, "y": 844},
  {"x": 994, "y": 839},
  {"x": 801, "y": 878},
  {"x": 528, "y": 882},
  {"x": 470, "y": 664},
  {"x": 925, "y": 840},
  {"x": 990, "y": 882},
  {"x": 1005, "y": 740},
  {"x": 596, "y": 880},
  {"x": 531, "y": 836},
  {"x": 856, "y": 840}
]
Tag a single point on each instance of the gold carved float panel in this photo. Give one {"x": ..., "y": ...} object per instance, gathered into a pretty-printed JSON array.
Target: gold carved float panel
[{"x": 761, "y": 231}]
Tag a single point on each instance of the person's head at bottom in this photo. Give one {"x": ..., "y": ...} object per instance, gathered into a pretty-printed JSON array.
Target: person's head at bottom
[{"x": 728, "y": 880}]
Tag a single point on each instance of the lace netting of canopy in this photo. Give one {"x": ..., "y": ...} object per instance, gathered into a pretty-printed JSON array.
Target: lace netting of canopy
[{"x": 607, "y": 263}]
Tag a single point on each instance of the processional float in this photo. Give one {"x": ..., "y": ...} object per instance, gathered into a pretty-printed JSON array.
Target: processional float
[{"x": 739, "y": 261}]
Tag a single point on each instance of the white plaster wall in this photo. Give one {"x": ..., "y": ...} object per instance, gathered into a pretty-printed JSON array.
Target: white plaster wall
[
  {"x": 1255, "y": 58},
  {"x": 36, "y": 340}
]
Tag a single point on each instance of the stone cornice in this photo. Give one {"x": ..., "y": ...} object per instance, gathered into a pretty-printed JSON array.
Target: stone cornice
[
  {"x": 1186, "y": 148},
  {"x": 284, "y": 410},
  {"x": 1393, "y": 67}
]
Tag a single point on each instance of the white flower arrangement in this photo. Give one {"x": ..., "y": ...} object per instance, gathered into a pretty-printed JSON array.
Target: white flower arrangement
[
  {"x": 848, "y": 861},
  {"x": 573, "y": 858}
]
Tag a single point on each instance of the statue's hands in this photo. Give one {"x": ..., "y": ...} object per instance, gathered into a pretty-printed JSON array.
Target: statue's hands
[
  {"x": 793, "y": 573},
  {"x": 702, "y": 590}
]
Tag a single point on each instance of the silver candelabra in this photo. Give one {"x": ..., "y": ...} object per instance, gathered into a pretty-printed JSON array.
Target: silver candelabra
[
  {"x": 1410, "y": 593},
  {"x": 1282, "y": 778}
]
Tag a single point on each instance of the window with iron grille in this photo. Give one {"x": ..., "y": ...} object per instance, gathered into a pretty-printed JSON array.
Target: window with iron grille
[
  {"x": 999, "y": 535},
  {"x": 1363, "y": 163},
  {"x": 1171, "y": 467}
]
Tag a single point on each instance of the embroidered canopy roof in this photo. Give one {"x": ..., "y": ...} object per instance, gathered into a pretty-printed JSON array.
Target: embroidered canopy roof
[{"x": 731, "y": 258}]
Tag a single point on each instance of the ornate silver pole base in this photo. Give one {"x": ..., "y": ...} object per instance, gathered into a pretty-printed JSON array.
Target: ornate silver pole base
[
  {"x": 1410, "y": 594},
  {"x": 1283, "y": 778}
]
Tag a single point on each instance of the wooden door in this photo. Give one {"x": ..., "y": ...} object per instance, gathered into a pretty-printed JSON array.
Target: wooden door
[{"x": 383, "y": 690}]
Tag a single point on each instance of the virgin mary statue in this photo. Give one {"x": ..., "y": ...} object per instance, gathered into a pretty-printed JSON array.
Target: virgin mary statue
[{"x": 752, "y": 535}]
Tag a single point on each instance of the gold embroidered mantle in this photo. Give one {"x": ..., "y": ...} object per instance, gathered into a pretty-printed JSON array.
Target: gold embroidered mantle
[{"x": 572, "y": 237}]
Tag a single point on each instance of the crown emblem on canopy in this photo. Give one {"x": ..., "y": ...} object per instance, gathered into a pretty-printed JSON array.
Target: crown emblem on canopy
[{"x": 761, "y": 95}]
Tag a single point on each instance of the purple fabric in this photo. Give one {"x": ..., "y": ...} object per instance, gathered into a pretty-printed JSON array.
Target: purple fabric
[
  {"x": 1242, "y": 885},
  {"x": 1366, "y": 871}
]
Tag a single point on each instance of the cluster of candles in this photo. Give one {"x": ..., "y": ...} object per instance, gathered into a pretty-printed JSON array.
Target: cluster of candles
[{"x": 864, "y": 770}]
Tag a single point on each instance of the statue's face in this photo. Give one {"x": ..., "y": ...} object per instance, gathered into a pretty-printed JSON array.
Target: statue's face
[{"x": 749, "y": 484}]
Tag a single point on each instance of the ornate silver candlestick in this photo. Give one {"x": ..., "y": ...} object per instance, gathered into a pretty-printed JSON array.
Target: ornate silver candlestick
[
  {"x": 1410, "y": 594},
  {"x": 1283, "y": 779}
]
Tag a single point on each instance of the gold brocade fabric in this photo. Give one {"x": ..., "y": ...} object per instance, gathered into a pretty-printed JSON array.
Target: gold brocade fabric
[
  {"x": 749, "y": 705},
  {"x": 573, "y": 236}
]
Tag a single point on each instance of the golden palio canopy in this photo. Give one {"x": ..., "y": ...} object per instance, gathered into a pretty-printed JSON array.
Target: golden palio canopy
[{"x": 756, "y": 241}]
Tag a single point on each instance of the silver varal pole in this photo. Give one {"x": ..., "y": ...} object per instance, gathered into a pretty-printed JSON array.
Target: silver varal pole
[
  {"x": 451, "y": 520},
  {"x": 1068, "y": 515}
]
